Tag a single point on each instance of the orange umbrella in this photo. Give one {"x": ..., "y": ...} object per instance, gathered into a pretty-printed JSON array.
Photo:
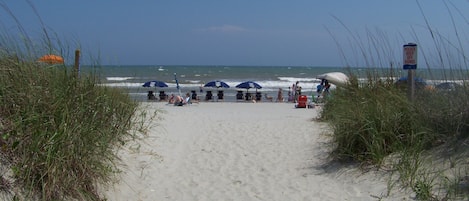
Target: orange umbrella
[{"x": 51, "y": 59}]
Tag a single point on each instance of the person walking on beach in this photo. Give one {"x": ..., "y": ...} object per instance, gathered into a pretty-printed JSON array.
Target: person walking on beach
[
  {"x": 293, "y": 92},
  {"x": 296, "y": 90},
  {"x": 319, "y": 88},
  {"x": 327, "y": 86}
]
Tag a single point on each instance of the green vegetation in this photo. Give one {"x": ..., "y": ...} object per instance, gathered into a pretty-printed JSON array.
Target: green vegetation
[
  {"x": 374, "y": 123},
  {"x": 423, "y": 142},
  {"x": 58, "y": 132},
  {"x": 372, "y": 120}
]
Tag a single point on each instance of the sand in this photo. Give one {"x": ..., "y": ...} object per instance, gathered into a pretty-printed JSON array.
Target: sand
[{"x": 241, "y": 151}]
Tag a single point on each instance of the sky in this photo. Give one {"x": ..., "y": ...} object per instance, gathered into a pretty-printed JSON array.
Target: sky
[{"x": 241, "y": 32}]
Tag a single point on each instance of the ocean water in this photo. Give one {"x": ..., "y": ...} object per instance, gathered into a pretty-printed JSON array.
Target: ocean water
[{"x": 271, "y": 78}]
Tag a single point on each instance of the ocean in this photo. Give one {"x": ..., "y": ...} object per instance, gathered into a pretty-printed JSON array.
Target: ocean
[{"x": 192, "y": 78}]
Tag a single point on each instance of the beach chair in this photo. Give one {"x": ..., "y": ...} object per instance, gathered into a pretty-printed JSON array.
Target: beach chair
[
  {"x": 258, "y": 96},
  {"x": 151, "y": 95},
  {"x": 220, "y": 95},
  {"x": 188, "y": 99},
  {"x": 209, "y": 96},
  {"x": 194, "y": 95},
  {"x": 302, "y": 101},
  {"x": 248, "y": 96},
  {"x": 162, "y": 96},
  {"x": 239, "y": 95}
]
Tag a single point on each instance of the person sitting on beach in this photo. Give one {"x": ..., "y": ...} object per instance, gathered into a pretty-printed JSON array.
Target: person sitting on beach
[
  {"x": 163, "y": 96},
  {"x": 151, "y": 95},
  {"x": 269, "y": 98},
  {"x": 179, "y": 101},
  {"x": 188, "y": 99},
  {"x": 194, "y": 97},
  {"x": 279, "y": 95},
  {"x": 171, "y": 99}
]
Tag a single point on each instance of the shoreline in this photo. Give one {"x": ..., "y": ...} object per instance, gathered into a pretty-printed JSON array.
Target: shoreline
[{"x": 230, "y": 151}]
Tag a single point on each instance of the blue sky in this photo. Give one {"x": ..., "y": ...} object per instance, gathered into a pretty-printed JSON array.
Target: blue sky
[{"x": 241, "y": 32}]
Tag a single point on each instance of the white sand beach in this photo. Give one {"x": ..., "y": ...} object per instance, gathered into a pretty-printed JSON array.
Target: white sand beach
[{"x": 241, "y": 152}]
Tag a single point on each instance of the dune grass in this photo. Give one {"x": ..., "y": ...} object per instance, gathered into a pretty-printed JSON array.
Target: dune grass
[
  {"x": 59, "y": 133},
  {"x": 423, "y": 142},
  {"x": 372, "y": 121},
  {"x": 375, "y": 124}
]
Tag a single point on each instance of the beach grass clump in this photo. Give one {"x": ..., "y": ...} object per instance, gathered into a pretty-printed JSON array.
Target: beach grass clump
[
  {"x": 372, "y": 120},
  {"x": 58, "y": 131},
  {"x": 448, "y": 110},
  {"x": 376, "y": 123},
  {"x": 423, "y": 140}
]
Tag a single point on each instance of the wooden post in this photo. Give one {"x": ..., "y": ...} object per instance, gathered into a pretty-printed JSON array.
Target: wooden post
[
  {"x": 77, "y": 62},
  {"x": 411, "y": 84}
]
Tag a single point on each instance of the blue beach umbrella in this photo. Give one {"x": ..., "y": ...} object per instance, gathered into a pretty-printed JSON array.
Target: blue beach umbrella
[
  {"x": 155, "y": 83},
  {"x": 248, "y": 84},
  {"x": 217, "y": 84}
]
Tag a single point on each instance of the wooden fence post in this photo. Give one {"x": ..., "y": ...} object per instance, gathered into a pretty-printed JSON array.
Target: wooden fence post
[{"x": 77, "y": 62}]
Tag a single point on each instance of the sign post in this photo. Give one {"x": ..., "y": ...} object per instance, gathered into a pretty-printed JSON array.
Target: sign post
[{"x": 410, "y": 64}]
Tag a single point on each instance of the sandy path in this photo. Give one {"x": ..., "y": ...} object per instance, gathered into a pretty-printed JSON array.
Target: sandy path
[{"x": 240, "y": 151}]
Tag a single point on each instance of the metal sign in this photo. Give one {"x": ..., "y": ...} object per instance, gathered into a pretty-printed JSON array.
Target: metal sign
[{"x": 410, "y": 56}]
